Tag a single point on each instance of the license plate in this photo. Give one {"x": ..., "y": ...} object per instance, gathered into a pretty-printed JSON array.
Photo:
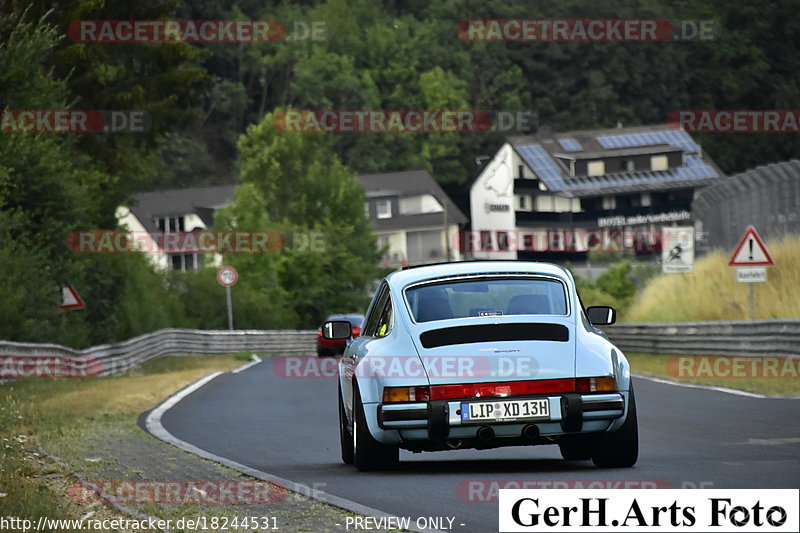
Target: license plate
[{"x": 505, "y": 410}]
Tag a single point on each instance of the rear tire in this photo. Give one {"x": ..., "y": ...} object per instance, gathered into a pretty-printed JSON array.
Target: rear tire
[
  {"x": 576, "y": 449},
  {"x": 345, "y": 437},
  {"x": 621, "y": 448},
  {"x": 369, "y": 454}
]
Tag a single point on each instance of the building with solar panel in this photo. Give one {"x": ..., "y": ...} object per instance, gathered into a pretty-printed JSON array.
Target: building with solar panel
[{"x": 557, "y": 197}]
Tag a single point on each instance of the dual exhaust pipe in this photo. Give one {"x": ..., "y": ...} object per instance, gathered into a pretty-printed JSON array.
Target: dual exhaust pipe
[{"x": 529, "y": 433}]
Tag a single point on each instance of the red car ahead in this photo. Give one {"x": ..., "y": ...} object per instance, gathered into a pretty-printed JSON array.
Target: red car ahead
[{"x": 336, "y": 346}]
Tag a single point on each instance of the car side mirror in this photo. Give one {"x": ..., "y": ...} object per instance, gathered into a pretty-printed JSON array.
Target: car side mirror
[
  {"x": 601, "y": 315},
  {"x": 336, "y": 329}
]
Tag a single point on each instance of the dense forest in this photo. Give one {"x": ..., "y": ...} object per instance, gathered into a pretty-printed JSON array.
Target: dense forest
[
  {"x": 406, "y": 55},
  {"x": 211, "y": 108}
]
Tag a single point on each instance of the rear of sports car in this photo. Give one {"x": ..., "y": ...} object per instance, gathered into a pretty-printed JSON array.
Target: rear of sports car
[
  {"x": 514, "y": 383},
  {"x": 505, "y": 375}
]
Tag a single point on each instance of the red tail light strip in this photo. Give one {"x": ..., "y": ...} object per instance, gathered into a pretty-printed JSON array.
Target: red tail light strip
[{"x": 509, "y": 388}]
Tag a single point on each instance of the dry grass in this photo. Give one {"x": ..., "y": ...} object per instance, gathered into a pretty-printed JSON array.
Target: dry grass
[
  {"x": 657, "y": 365},
  {"x": 711, "y": 292},
  {"x": 127, "y": 395},
  {"x": 60, "y": 413}
]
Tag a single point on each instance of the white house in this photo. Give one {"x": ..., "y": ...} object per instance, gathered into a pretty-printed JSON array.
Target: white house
[
  {"x": 174, "y": 210},
  {"x": 544, "y": 187}
]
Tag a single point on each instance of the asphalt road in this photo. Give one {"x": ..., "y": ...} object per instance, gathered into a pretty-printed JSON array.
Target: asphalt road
[{"x": 288, "y": 427}]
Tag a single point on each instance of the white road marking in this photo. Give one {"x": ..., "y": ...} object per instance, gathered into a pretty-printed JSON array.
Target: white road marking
[
  {"x": 710, "y": 387},
  {"x": 154, "y": 426},
  {"x": 255, "y": 361},
  {"x": 773, "y": 442}
]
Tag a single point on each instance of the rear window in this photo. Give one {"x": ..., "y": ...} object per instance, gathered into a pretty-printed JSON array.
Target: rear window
[
  {"x": 486, "y": 297},
  {"x": 355, "y": 320}
]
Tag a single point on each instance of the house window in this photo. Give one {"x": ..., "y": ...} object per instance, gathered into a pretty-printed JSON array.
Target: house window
[
  {"x": 486, "y": 240},
  {"x": 609, "y": 202},
  {"x": 646, "y": 202},
  {"x": 659, "y": 162},
  {"x": 383, "y": 209},
  {"x": 596, "y": 168},
  {"x": 523, "y": 203},
  {"x": 520, "y": 171},
  {"x": 419, "y": 204},
  {"x": 170, "y": 223},
  {"x": 502, "y": 241},
  {"x": 382, "y": 241},
  {"x": 184, "y": 262},
  {"x": 629, "y": 165},
  {"x": 424, "y": 246}
]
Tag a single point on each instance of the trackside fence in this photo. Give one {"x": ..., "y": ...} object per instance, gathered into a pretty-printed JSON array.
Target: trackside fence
[
  {"x": 121, "y": 356},
  {"x": 738, "y": 338},
  {"x": 756, "y": 338}
]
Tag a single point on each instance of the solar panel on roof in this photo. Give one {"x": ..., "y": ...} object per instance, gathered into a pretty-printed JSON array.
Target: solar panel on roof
[
  {"x": 554, "y": 178},
  {"x": 679, "y": 139},
  {"x": 543, "y": 165},
  {"x": 570, "y": 145}
]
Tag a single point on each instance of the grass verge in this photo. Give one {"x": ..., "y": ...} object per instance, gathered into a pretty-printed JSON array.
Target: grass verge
[
  {"x": 664, "y": 366},
  {"x": 80, "y": 420},
  {"x": 711, "y": 292},
  {"x": 60, "y": 414}
]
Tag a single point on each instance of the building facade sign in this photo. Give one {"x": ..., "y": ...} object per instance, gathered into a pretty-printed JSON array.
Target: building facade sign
[{"x": 655, "y": 218}]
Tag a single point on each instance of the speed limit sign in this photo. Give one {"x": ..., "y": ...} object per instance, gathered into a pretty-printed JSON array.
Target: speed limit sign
[{"x": 227, "y": 276}]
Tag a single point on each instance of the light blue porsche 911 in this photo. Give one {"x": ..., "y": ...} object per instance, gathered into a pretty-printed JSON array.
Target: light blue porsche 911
[{"x": 480, "y": 355}]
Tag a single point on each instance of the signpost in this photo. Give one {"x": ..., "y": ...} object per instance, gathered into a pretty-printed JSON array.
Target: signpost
[
  {"x": 70, "y": 298},
  {"x": 677, "y": 250},
  {"x": 227, "y": 277},
  {"x": 751, "y": 258}
]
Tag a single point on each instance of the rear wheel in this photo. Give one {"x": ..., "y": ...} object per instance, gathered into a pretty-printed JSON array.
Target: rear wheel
[
  {"x": 369, "y": 454},
  {"x": 345, "y": 437},
  {"x": 576, "y": 449},
  {"x": 621, "y": 448}
]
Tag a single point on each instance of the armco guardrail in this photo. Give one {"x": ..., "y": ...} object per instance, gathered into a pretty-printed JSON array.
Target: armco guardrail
[
  {"x": 121, "y": 356},
  {"x": 744, "y": 338}
]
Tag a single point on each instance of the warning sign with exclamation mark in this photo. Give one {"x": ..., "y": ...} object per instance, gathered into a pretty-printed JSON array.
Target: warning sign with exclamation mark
[{"x": 751, "y": 251}]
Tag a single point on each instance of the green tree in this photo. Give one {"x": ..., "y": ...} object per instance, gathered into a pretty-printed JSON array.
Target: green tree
[
  {"x": 304, "y": 190},
  {"x": 259, "y": 299},
  {"x": 50, "y": 188}
]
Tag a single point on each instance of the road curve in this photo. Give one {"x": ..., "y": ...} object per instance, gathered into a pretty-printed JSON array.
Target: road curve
[{"x": 287, "y": 427}]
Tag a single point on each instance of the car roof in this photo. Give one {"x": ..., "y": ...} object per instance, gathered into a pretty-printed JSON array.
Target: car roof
[
  {"x": 346, "y": 316},
  {"x": 403, "y": 278}
]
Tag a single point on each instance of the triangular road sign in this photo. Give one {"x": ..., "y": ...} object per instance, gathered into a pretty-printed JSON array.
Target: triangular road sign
[
  {"x": 751, "y": 251},
  {"x": 70, "y": 298}
]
